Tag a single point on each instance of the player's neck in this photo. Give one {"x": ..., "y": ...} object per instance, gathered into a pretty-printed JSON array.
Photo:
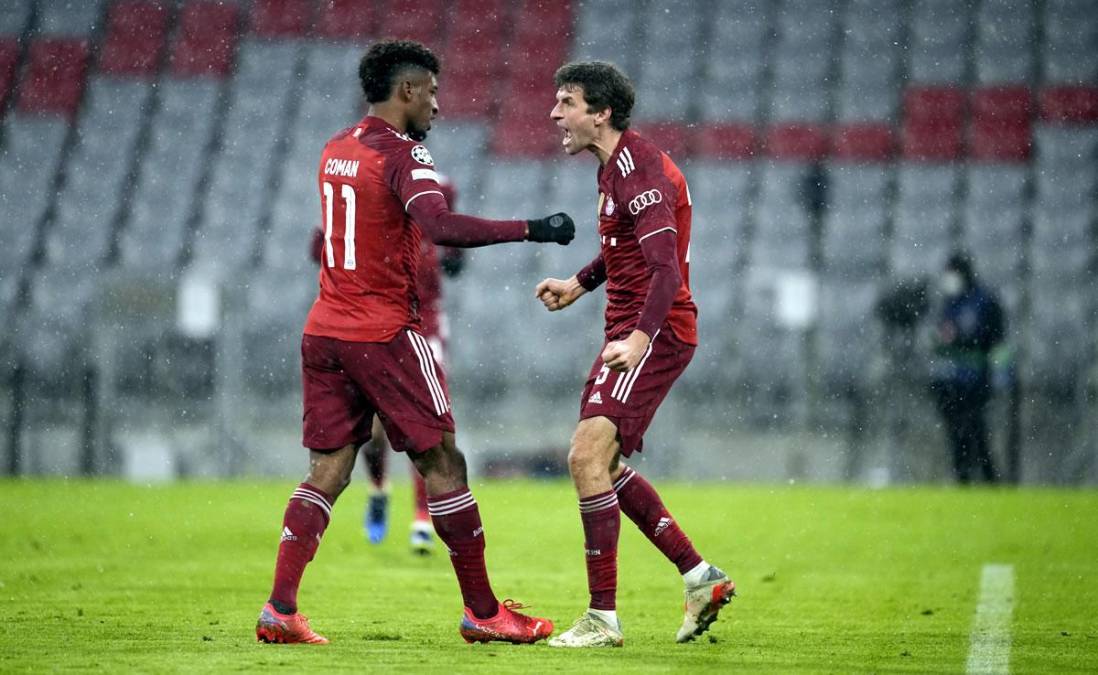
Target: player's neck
[
  {"x": 390, "y": 114},
  {"x": 605, "y": 144}
]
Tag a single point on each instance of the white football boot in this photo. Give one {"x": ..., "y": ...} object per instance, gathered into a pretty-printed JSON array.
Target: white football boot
[
  {"x": 589, "y": 631},
  {"x": 704, "y": 602}
]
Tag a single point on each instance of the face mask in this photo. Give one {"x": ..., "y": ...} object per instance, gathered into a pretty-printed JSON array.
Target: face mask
[{"x": 951, "y": 283}]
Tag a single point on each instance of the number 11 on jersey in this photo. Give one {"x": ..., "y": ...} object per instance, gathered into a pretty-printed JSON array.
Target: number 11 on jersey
[{"x": 348, "y": 194}]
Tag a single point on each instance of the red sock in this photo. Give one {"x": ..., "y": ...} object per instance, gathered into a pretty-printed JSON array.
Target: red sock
[
  {"x": 419, "y": 489},
  {"x": 306, "y": 518},
  {"x": 457, "y": 522},
  {"x": 641, "y": 503},
  {"x": 601, "y": 525}
]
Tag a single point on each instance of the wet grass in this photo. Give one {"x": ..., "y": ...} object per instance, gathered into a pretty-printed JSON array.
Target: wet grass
[{"x": 100, "y": 575}]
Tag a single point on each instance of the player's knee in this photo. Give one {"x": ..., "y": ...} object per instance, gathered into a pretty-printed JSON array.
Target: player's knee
[
  {"x": 443, "y": 460},
  {"x": 584, "y": 459}
]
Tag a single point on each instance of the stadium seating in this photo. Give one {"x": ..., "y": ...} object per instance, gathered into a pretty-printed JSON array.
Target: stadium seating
[
  {"x": 347, "y": 19},
  {"x": 206, "y": 39},
  {"x": 54, "y": 77},
  {"x": 159, "y": 137},
  {"x": 1000, "y": 130},
  {"x": 933, "y": 123},
  {"x": 136, "y": 33},
  {"x": 939, "y": 42},
  {"x": 1070, "y": 32},
  {"x": 15, "y": 16},
  {"x": 1003, "y": 52},
  {"x": 237, "y": 203},
  {"x": 281, "y": 18},
  {"x": 9, "y": 59}
]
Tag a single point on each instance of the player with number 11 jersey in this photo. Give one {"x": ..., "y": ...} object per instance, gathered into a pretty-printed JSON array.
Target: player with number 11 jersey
[{"x": 363, "y": 353}]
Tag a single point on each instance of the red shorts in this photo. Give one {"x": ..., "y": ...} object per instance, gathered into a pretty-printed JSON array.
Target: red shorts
[
  {"x": 630, "y": 400},
  {"x": 347, "y": 383}
]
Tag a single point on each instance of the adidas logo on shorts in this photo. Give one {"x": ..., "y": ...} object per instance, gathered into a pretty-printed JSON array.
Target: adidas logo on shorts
[{"x": 595, "y": 398}]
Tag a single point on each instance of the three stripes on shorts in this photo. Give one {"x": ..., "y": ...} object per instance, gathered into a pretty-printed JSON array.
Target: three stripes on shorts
[
  {"x": 427, "y": 367},
  {"x": 624, "y": 384}
]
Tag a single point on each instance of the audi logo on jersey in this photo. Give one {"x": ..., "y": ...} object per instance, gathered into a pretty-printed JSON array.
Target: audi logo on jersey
[{"x": 644, "y": 200}]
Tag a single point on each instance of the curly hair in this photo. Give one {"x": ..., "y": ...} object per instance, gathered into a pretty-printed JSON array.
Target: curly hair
[
  {"x": 385, "y": 59},
  {"x": 604, "y": 86}
]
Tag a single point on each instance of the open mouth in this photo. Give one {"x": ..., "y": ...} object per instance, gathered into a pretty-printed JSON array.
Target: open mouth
[{"x": 567, "y": 139}]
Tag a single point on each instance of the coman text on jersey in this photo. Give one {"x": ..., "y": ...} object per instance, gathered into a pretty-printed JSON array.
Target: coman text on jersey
[{"x": 341, "y": 167}]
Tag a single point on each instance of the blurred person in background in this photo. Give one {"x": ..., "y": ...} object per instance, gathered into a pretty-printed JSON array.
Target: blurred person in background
[
  {"x": 433, "y": 262},
  {"x": 970, "y": 327}
]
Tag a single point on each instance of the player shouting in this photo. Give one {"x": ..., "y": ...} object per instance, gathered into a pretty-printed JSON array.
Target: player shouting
[
  {"x": 362, "y": 352},
  {"x": 644, "y": 226}
]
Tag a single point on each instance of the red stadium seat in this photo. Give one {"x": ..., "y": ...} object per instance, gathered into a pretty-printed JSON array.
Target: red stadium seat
[
  {"x": 347, "y": 19},
  {"x": 1000, "y": 129},
  {"x": 796, "y": 142},
  {"x": 206, "y": 40},
  {"x": 281, "y": 18},
  {"x": 545, "y": 18},
  {"x": 488, "y": 19},
  {"x": 520, "y": 136},
  {"x": 671, "y": 137},
  {"x": 54, "y": 77},
  {"x": 867, "y": 142},
  {"x": 1070, "y": 105},
  {"x": 420, "y": 20},
  {"x": 136, "y": 31},
  {"x": 467, "y": 94},
  {"x": 9, "y": 59},
  {"x": 933, "y": 123},
  {"x": 724, "y": 141}
]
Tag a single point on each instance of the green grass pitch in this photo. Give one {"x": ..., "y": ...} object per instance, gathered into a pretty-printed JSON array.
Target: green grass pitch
[{"x": 114, "y": 577}]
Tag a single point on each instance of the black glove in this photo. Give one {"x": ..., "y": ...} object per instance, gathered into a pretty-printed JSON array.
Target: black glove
[{"x": 557, "y": 227}]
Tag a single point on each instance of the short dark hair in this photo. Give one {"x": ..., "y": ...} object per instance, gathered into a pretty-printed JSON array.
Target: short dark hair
[
  {"x": 385, "y": 59},
  {"x": 604, "y": 86}
]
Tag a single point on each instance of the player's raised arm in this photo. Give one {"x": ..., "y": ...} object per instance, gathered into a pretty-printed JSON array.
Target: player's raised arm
[{"x": 446, "y": 228}]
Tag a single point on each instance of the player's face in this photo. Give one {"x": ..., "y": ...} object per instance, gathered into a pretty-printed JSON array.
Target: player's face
[
  {"x": 572, "y": 117},
  {"x": 423, "y": 107}
]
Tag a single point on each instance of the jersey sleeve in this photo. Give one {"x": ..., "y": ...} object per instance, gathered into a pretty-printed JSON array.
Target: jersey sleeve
[
  {"x": 649, "y": 196},
  {"x": 411, "y": 173}
]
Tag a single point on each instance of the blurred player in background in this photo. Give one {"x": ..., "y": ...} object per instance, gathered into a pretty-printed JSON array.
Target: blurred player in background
[
  {"x": 434, "y": 260},
  {"x": 651, "y": 331},
  {"x": 363, "y": 353}
]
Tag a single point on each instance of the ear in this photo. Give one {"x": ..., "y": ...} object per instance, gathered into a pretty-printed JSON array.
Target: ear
[
  {"x": 603, "y": 116},
  {"x": 407, "y": 90}
]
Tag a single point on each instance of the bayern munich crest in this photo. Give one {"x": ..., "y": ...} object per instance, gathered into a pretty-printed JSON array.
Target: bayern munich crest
[
  {"x": 421, "y": 155},
  {"x": 609, "y": 205}
]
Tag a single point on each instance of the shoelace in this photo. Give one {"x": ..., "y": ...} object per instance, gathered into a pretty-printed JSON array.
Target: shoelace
[{"x": 514, "y": 604}]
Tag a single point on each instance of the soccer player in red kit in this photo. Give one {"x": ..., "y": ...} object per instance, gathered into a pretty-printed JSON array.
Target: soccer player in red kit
[
  {"x": 433, "y": 261},
  {"x": 362, "y": 350},
  {"x": 651, "y": 331}
]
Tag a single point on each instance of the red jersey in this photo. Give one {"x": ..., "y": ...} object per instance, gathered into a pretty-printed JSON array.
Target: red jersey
[
  {"x": 429, "y": 287},
  {"x": 641, "y": 193},
  {"x": 369, "y": 174}
]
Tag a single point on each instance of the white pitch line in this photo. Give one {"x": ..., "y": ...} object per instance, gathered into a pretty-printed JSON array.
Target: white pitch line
[{"x": 990, "y": 648}]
